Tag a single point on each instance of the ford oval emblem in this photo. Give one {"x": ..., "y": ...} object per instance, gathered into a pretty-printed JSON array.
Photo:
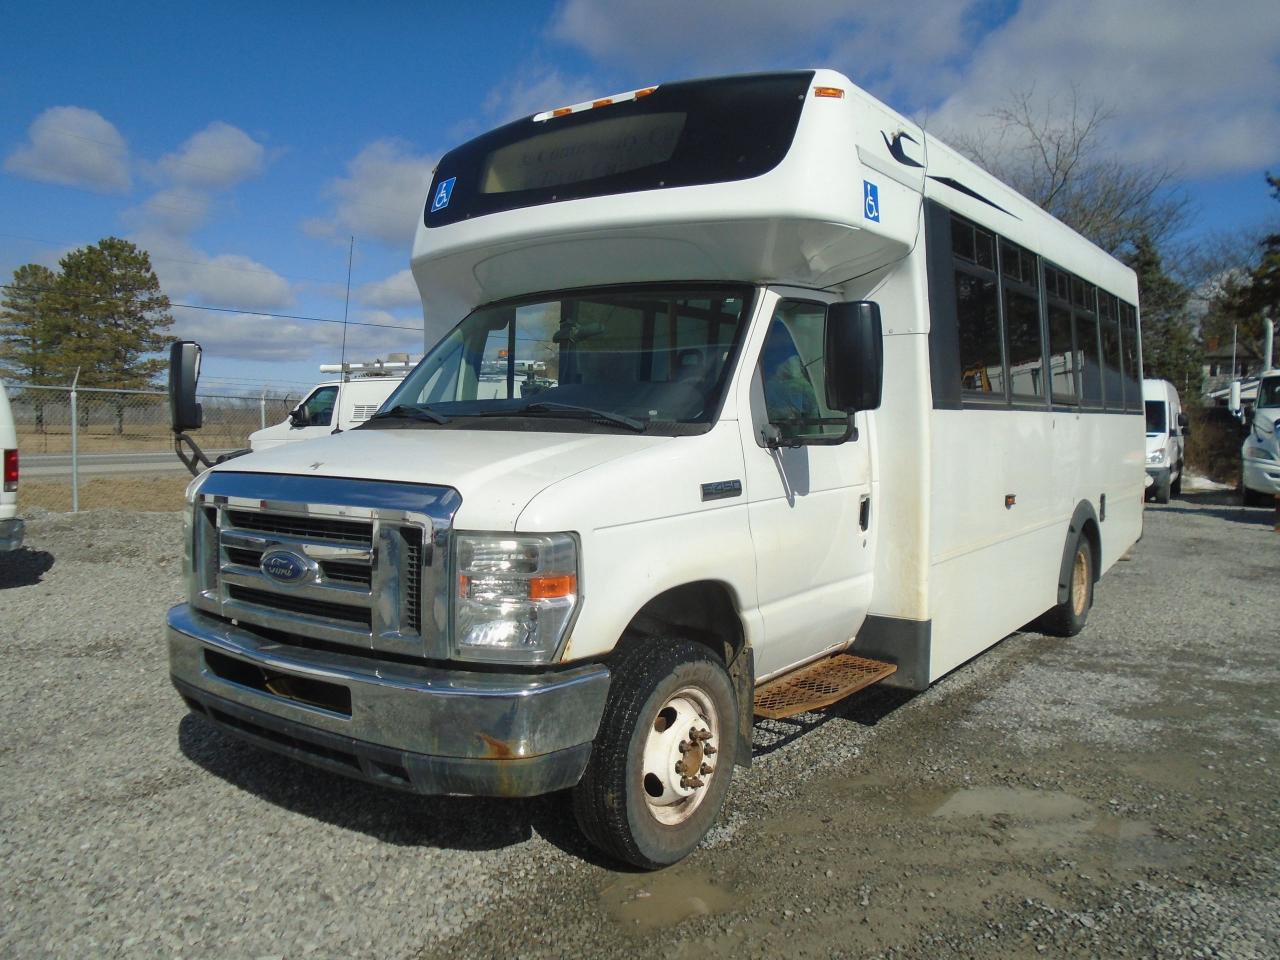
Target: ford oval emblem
[{"x": 283, "y": 566}]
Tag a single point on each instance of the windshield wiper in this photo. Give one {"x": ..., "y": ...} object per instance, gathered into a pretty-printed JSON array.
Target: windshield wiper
[
  {"x": 574, "y": 410},
  {"x": 404, "y": 411}
]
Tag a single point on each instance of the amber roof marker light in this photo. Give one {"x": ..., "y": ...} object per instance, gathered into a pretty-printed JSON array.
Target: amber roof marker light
[
  {"x": 593, "y": 104},
  {"x": 834, "y": 92}
]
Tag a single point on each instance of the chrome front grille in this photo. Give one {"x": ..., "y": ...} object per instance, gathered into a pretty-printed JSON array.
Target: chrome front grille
[{"x": 372, "y": 568}]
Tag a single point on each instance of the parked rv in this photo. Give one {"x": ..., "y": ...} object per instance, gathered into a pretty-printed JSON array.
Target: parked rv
[
  {"x": 336, "y": 405},
  {"x": 1167, "y": 430},
  {"x": 1260, "y": 453},
  {"x": 11, "y": 526},
  {"x": 792, "y": 435}
]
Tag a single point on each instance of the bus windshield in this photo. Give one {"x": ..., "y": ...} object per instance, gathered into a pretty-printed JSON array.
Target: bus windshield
[
  {"x": 677, "y": 135},
  {"x": 642, "y": 359}
]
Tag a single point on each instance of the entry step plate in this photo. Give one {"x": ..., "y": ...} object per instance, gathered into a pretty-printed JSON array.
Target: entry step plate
[{"x": 818, "y": 684}]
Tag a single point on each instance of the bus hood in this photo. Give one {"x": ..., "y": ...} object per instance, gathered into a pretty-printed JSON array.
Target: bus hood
[{"x": 496, "y": 472}]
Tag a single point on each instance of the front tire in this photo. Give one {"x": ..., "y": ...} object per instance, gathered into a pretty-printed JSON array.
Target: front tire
[
  {"x": 664, "y": 755},
  {"x": 1176, "y": 486},
  {"x": 1252, "y": 498},
  {"x": 1069, "y": 617}
]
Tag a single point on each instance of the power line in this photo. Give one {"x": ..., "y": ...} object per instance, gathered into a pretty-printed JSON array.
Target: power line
[{"x": 197, "y": 306}]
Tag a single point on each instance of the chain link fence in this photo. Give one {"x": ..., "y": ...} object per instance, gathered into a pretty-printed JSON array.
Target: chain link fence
[{"x": 85, "y": 448}]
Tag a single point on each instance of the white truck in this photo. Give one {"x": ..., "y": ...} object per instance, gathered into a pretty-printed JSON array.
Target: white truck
[
  {"x": 821, "y": 404},
  {"x": 1260, "y": 452},
  {"x": 336, "y": 405},
  {"x": 12, "y": 528},
  {"x": 1167, "y": 430}
]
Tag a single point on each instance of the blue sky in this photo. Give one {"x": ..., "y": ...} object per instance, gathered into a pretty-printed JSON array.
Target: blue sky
[{"x": 244, "y": 144}]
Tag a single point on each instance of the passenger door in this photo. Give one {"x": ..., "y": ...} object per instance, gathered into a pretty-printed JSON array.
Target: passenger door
[{"x": 805, "y": 497}]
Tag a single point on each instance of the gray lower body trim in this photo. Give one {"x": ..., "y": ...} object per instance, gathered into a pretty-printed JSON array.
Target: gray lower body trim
[
  {"x": 464, "y": 731},
  {"x": 399, "y": 769},
  {"x": 900, "y": 641},
  {"x": 12, "y": 532}
]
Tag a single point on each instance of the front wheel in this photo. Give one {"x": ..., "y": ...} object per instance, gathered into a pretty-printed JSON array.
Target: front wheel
[{"x": 663, "y": 758}]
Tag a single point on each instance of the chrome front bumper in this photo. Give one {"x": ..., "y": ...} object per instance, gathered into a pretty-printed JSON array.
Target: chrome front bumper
[
  {"x": 420, "y": 728},
  {"x": 11, "y": 534}
]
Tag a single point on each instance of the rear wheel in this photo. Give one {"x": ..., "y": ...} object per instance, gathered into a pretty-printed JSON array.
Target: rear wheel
[
  {"x": 1069, "y": 617},
  {"x": 663, "y": 758}
]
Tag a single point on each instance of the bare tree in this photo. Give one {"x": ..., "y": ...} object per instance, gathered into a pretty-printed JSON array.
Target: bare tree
[{"x": 1057, "y": 157}]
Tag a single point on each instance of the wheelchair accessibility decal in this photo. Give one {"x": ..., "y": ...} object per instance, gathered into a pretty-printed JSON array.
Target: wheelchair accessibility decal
[
  {"x": 870, "y": 201},
  {"x": 443, "y": 193}
]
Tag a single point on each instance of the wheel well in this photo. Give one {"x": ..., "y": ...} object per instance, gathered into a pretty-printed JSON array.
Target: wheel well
[{"x": 703, "y": 611}]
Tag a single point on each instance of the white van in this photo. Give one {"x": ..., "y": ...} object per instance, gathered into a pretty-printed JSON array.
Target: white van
[
  {"x": 1167, "y": 430},
  {"x": 333, "y": 406},
  {"x": 807, "y": 418},
  {"x": 1260, "y": 453},
  {"x": 11, "y": 527}
]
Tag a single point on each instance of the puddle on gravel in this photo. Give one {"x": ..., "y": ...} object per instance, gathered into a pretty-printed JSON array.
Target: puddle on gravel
[
  {"x": 1019, "y": 802},
  {"x": 663, "y": 899}
]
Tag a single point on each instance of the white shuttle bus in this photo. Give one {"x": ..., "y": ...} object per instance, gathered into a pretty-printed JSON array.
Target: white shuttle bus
[{"x": 740, "y": 394}]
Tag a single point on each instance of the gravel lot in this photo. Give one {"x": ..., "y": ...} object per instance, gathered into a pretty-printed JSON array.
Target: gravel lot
[{"x": 1111, "y": 795}]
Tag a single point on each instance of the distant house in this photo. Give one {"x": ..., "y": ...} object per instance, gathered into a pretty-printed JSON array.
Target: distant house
[{"x": 1218, "y": 359}]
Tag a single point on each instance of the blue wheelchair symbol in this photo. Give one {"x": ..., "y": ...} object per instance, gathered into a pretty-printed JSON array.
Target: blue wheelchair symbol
[
  {"x": 443, "y": 193},
  {"x": 871, "y": 201}
]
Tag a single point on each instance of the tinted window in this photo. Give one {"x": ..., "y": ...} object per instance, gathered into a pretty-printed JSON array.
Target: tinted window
[
  {"x": 681, "y": 134},
  {"x": 1023, "y": 347},
  {"x": 1112, "y": 379},
  {"x": 981, "y": 363},
  {"x": 1155, "y": 416},
  {"x": 1131, "y": 354},
  {"x": 1089, "y": 342},
  {"x": 1064, "y": 361}
]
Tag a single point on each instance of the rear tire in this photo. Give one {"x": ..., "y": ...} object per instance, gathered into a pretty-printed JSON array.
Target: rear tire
[
  {"x": 1069, "y": 617},
  {"x": 633, "y": 802},
  {"x": 1251, "y": 498}
]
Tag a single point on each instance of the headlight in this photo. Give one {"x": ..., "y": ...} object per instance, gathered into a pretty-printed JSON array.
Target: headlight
[
  {"x": 1157, "y": 457},
  {"x": 514, "y": 596}
]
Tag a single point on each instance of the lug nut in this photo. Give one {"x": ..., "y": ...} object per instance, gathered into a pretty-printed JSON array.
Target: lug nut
[
  {"x": 685, "y": 746},
  {"x": 705, "y": 769},
  {"x": 709, "y": 750},
  {"x": 679, "y": 766},
  {"x": 696, "y": 782}
]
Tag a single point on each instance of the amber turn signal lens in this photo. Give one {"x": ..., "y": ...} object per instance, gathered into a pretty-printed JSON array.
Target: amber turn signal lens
[
  {"x": 550, "y": 588},
  {"x": 828, "y": 92}
]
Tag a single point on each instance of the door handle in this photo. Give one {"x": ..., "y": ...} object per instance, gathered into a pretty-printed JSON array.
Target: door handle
[{"x": 864, "y": 512}]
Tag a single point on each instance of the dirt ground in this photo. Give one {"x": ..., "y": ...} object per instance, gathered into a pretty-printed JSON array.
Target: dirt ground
[
  {"x": 121, "y": 492},
  {"x": 1112, "y": 795}
]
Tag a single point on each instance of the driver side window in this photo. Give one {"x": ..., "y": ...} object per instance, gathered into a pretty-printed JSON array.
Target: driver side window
[
  {"x": 317, "y": 411},
  {"x": 793, "y": 375}
]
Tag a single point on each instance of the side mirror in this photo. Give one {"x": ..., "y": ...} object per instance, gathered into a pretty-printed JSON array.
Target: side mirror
[
  {"x": 184, "y": 370},
  {"x": 296, "y": 419},
  {"x": 854, "y": 356}
]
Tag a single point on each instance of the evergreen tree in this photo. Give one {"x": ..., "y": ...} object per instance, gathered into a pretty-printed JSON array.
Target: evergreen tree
[
  {"x": 109, "y": 313},
  {"x": 1246, "y": 300},
  {"x": 1170, "y": 349},
  {"x": 26, "y": 334}
]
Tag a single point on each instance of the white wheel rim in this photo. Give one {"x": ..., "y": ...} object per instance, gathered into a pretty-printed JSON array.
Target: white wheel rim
[{"x": 680, "y": 755}]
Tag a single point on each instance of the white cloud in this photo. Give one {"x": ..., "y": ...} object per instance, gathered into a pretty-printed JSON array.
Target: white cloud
[
  {"x": 218, "y": 156},
  {"x": 251, "y": 336},
  {"x": 1203, "y": 99},
  {"x": 74, "y": 147},
  {"x": 538, "y": 89},
  {"x": 174, "y": 212},
  {"x": 397, "y": 290},
  {"x": 895, "y": 44},
  {"x": 223, "y": 280},
  {"x": 380, "y": 198}
]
